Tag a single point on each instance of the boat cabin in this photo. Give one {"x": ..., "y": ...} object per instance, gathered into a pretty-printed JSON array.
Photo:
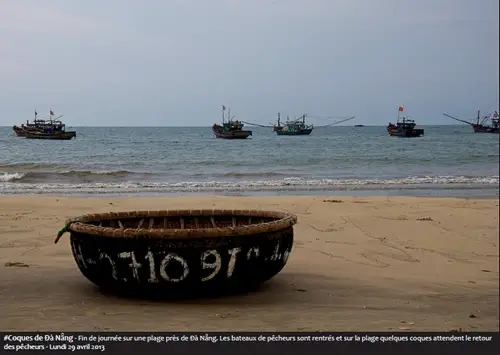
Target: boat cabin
[
  {"x": 232, "y": 126},
  {"x": 405, "y": 123}
]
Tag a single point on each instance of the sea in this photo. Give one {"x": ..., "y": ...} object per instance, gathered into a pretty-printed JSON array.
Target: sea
[{"x": 339, "y": 160}]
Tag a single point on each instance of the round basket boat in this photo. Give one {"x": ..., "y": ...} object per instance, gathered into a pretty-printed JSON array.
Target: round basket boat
[{"x": 181, "y": 252}]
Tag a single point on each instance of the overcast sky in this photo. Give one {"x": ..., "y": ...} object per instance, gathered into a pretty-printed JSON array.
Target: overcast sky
[{"x": 175, "y": 62}]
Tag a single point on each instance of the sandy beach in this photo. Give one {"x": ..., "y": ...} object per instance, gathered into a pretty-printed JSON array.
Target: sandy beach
[{"x": 358, "y": 264}]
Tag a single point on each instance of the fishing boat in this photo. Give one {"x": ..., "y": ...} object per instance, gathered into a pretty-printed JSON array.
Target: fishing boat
[
  {"x": 52, "y": 128},
  {"x": 52, "y": 125},
  {"x": 404, "y": 127},
  {"x": 296, "y": 127},
  {"x": 230, "y": 129},
  {"x": 479, "y": 126}
]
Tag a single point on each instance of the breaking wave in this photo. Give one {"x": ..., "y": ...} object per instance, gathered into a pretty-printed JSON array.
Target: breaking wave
[
  {"x": 69, "y": 176},
  {"x": 287, "y": 184},
  {"x": 5, "y": 177},
  {"x": 251, "y": 174}
]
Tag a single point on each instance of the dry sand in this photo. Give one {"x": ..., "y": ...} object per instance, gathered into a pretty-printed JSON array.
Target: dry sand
[{"x": 362, "y": 264}]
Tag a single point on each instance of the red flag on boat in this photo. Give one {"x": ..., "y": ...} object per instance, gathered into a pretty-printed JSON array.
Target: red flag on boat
[
  {"x": 51, "y": 113},
  {"x": 495, "y": 115},
  {"x": 401, "y": 108}
]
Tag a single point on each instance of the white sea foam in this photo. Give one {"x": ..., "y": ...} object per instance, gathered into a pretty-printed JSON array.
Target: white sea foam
[
  {"x": 5, "y": 177},
  {"x": 288, "y": 184},
  {"x": 92, "y": 172}
]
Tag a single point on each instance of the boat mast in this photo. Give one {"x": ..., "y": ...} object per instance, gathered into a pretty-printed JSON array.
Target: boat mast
[
  {"x": 279, "y": 119},
  {"x": 478, "y": 117}
]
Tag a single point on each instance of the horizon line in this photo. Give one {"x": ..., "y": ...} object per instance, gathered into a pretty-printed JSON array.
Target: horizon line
[{"x": 365, "y": 125}]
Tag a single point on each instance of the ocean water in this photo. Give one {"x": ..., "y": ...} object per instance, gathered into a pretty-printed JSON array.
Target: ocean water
[{"x": 448, "y": 160}]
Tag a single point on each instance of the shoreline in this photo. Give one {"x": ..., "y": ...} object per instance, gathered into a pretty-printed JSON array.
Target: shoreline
[
  {"x": 478, "y": 193},
  {"x": 358, "y": 263},
  {"x": 229, "y": 198},
  {"x": 194, "y": 195}
]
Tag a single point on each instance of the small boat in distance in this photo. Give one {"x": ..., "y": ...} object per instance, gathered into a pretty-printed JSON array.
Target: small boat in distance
[
  {"x": 479, "y": 126},
  {"x": 296, "y": 127},
  {"x": 44, "y": 129},
  {"x": 404, "y": 127},
  {"x": 230, "y": 129},
  {"x": 359, "y": 125}
]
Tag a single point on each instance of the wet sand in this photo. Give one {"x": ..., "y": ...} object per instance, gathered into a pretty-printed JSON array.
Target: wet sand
[{"x": 358, "y": 264}]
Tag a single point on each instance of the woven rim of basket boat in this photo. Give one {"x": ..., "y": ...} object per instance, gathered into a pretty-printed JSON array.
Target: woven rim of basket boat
[{"x": 80, "y": 224}]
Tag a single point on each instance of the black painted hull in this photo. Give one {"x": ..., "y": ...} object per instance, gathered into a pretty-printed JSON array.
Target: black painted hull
[
  {"x": 304, "y": 132},
  {"x": 175, "y": 269},
  {"x": 182, "y": 267},
  {"x": 409, "y": 133},
  {"x": 51, "y": 136},
  {"x": 232, "y": 135},
  {"x": 486, "y": 129}
]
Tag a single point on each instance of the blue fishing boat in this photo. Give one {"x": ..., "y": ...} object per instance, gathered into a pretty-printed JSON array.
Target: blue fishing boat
[{"x": 404, "y": 127}]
